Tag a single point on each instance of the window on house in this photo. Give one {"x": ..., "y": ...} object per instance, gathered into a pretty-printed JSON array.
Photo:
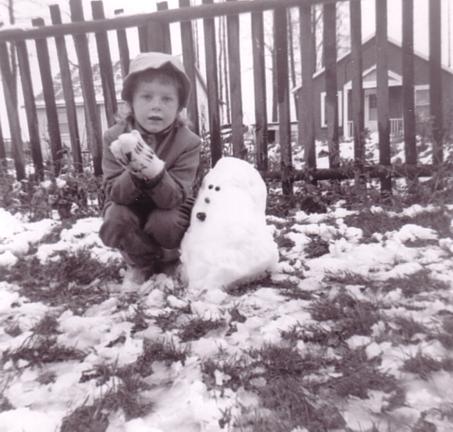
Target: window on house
[
  {"x": 422, "y": 102},
  {"x": 324, "y": 108}
]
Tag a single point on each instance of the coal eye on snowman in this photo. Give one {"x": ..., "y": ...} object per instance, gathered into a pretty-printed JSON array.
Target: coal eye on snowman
[
  {"x": 210, "y": 186},
  {"x": 217, "y": 188}
]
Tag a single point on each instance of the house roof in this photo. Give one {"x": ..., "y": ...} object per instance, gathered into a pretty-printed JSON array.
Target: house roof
[
  {"x": 77, "y": 87},
  {"x": 368, "y": 41}
]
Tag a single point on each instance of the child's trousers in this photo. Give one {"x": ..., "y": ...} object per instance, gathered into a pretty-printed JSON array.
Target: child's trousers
[{"x": 140, "y": 232}]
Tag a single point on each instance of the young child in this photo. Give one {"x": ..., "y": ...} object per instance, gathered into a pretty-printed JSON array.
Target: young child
[{"x": 150, "y": 160}]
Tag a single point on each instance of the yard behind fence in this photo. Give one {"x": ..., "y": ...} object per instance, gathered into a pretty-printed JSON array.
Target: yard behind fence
[{"x": 154, "y": 34}]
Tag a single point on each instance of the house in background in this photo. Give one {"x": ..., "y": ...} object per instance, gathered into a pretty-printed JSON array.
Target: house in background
[
  {"x": 80, "y": 110},
  {"x": 344, "y": 86}
]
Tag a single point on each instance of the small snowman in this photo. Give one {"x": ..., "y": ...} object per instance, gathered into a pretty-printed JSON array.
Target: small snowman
[{"x": 228, "y": 241}]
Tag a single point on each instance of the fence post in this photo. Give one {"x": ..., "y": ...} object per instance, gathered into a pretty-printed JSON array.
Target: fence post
[
  {"x": 123, "y": 47},
  {"x": 3, "y": 163},
  {"x": 234, "y": 70},
  {"x": 92, "y": 122},
  {"x": 306, "y": 131},
  {"x": 435, "y": 79},
  {"x": 259, "y": 82},
  {"x": 30, "y": 108},
  {"x": 281, "y": 57},
  {"x": 383, "y": 93},
  {"x": 68, "y": 91},
  {"x": 188, "y": 55},
  {"x": 330, "y": 64},
  {"x": 105, "y": 65},
  {"x": 211, "y": 78},
  {"x": 53, "y": 126},
  {"x": 355, "y": 10},
  {"x": 164, "y": 30},
  {"x": 410, "y": 148},
  {"x": 12, "y": 111}
]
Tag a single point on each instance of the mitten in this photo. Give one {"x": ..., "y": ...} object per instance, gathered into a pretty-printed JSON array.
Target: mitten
[{"x": 131, "y": 151}]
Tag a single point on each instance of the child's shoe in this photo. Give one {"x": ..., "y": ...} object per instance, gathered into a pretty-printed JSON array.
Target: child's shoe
[{"x": 135, "y": 277}]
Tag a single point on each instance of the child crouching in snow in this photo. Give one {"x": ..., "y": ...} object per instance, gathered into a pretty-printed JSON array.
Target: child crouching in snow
[{"x": 150, "y": 160}]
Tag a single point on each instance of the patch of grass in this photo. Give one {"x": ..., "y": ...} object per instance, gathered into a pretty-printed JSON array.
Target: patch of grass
[
  {"x": 77, "y": 267},
  {"x": 86, "y": 418},
  {"x": 139, "y": 319},
  {"x": 317, "y": 247},
  {"x": 53, "y": 236},
  {"x": 199, "y": 327},
  {"x": 438, "y": 220},
  {"x": 416, "y": 283},
  {"x": 346, "y": 278},
  {"x": 47, "y": 326},
  {"x": 371, "y": 223},
  {"x": 360, "y": 374},
  {"x": 167, "y": 320},
  {"x": 163, "y": 350},
  {"x": 424, "y": 365},
  {"x": 236, "y": 372},
  {"x": 314, "y": 333},
  {"x": 47, "y": 377},
  {"x": 70, "y": 278},
  {"x": 406, "y": 329},
  {"x": 126, "y": 394},
  {"x": 353, "y": 316},
  {"x": 13, "y": 329},
  {"x": 286, "y": 401},
  {"x": 37, "y": 350}
]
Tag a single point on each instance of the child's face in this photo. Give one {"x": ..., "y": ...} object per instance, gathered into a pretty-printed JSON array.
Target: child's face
[{"x": 155, "y": 104}]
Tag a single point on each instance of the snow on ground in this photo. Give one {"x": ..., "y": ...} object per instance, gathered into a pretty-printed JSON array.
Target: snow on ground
[{"x": 404, "y": 270}]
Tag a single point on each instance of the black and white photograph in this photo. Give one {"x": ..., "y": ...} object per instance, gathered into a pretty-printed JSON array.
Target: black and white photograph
[{"x": 226, "y": 216}]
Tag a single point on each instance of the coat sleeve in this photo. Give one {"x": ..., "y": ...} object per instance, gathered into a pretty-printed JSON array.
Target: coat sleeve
[
  {"x": 171, "y": 189},
  {"x": 119, "y": 186},
  {"x": 177, "y": 181}
]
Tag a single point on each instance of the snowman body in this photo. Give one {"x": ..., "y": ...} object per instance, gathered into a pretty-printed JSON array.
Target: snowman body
[{"x": 228, "y": 240}]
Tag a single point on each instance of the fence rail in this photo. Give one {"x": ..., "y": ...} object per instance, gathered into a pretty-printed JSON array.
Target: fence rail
[{"x": 153, "y": 30}]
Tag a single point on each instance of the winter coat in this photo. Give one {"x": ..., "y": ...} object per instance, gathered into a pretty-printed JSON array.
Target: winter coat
[{"x": 179, "y": 149}]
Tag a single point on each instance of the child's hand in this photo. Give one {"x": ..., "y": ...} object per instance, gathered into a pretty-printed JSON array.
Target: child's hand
[{"x": 131, "y": 151}]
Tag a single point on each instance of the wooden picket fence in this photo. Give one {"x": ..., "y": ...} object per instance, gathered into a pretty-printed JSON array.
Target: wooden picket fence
[{"x": 154, "y": 34}]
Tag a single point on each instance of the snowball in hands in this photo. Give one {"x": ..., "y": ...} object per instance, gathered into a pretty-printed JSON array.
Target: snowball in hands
[
  {"x": 228, "y": 240},
  {"x": 136, "y": 155}
]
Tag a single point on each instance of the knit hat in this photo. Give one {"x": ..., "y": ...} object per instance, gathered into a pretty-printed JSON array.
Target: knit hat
[{"x": 156, "y": 60}]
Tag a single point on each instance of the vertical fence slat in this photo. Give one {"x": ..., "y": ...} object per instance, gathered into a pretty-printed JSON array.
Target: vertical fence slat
[
  {"x": 3, "y": 163},
  {"x": 435, "y": 79},
  {"x": 306, "y": 131},
  {"x": 123, "y": 47},
  {"x": 355, "y": 9},
  {"x": 383, "y": 91},
  {"x": 12, "y": 112},
  {"x": 234, "y": 69},
  {"x": 68, "y": 91},
  {"x": 281, "y": 57},
  {"x": 92, "y": 121},
  {"x": 188, "y": 54},
  {"x": 330, "y": 65},
  {"x": 53, "y": 126},
  {"x": 259, "y": 82},
  {"x": 105, "y": 65},
  {"x": 30, "y": 108},
  {"x": 143, "y": 38},
  {"x": 164, "y": 29},
  {"x": 213, "y": 94},
  {"x": 155, "y": 35},
  {"x": 408, "y": 82}
]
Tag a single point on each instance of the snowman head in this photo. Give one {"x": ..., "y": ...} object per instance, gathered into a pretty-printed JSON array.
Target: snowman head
[{"x": 234, "y": 187}]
